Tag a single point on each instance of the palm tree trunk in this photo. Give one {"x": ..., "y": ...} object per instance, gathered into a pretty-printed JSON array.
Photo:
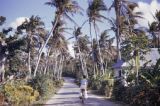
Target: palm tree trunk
[
  {"x": 94, "y": 70},
  {"x": 29, "y": 64},
  {"x": 56, "y": 66},
  {"x": 61, "y": 70},
  {"x": 2, "y": 68},
  {"x": 137, "y": 67},
  {"x": 49, "y": 36},
  {"x": 46, "y": 64},
  {"x": 158, "y": 41},
  {"x": 105, "y": 66},
  {"x": 117, "y": 10},
  {"x": 99, "y": 51},
  {"x": 97, "y": 69},
  {"x": 86, "y": 72},
  {"x": 29, "y": 51},
  {"x": 80, "y": 56},
  {"x": 59, "y": 67},
  {"x": 90, "y": 24}
]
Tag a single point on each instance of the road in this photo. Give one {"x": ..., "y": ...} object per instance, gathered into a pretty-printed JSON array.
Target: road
[{"x": 68, "y": 95}]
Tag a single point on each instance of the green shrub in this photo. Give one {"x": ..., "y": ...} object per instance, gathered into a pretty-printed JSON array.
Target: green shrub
[
  {"x": 95, "y": 83},
  {"x": 118, "y": 91},
  {"x": 139, "y": 95},
  {"x": 104, "y": 84},
  {"x": 44, "y": 85},
  {"x": 106, "y": 87},
  {"x": 18, "y": 92},
  {"x": 147, "y": 96}
]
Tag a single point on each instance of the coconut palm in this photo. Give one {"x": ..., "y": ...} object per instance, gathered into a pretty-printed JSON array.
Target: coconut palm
[
  {"x": 63, "y": 8},
  {"x": 58, "y": 46},
  {"x": 93, "y": 12},
  {"x": 106, "y": 47},
  {"x": 2, "y": 56},
  {"x": 31, "y": 25},
  {"x": 125, "y": 20},
  {"x": 78, "y": 52},
  {"x": 83, "y": 42},
  {"x": 3, "y": 49}
]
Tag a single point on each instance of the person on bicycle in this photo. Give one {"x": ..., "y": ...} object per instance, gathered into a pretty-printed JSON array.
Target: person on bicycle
[{"x": 83, "y": 86}]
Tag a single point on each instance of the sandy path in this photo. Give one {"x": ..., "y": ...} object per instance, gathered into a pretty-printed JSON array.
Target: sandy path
[{"x": 68, "y": 95}]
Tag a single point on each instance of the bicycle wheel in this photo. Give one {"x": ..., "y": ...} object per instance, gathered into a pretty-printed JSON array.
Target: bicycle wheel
[{"x": 83, "y": 95}]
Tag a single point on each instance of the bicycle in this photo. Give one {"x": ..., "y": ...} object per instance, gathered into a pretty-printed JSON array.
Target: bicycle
[{"x": 83, "y": 95}]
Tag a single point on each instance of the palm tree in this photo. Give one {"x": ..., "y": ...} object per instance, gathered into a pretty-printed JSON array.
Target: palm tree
[
  {"x": 58, "y": 45},
  {"x": 3, "y": 50},
  {"x": 82, "y": 43},
  {"x": 109, "y": 52},
  {"x": 31, "y": 26},
  {"x": 77, "y": 48},
  {"x": 125, "y": 20},
  {"x": 63, "y": 7},
  {"x": 93, "y": 12}
]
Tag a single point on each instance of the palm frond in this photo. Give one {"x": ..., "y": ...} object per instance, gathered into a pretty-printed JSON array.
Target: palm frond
[
  {"x": 69, "y": 18},
  {"x": 112, "y": 6}
]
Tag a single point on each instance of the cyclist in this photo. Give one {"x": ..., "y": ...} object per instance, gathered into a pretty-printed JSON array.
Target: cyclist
[{"x": 83, "y": 87}]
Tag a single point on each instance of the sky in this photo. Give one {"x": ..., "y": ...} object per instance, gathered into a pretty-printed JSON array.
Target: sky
[{"x": 17, "y": 10}]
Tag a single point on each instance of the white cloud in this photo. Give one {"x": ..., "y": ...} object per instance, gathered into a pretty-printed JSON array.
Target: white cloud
[
  {"x": 148, "y": 11},
  {"x": 70, "y": 49},
  {"x": 18, "y": 22}
]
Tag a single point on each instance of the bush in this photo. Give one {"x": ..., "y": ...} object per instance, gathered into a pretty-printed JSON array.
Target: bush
[
  {"x": 42, "y": 83},
  {"x": 137, "y": 95},
  {"x": 147, "y": 96},
  {"x": 95, "y": 83},
  {"x": 45, "y": 85},
  {"x": 104, "y": 84},
  {"x": 17, "y": 92},
  {"x": 118, "y": 91},
  {"x": 106, "y": 87}
]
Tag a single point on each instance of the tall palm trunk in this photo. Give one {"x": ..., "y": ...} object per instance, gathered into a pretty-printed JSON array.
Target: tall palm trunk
[
  {"x": 85, "y": 66},
  {"x": 80, "y": 56},
  {"x": 99, "y": 51},
  {"x": 2, "y": 67},
  {"x": 56, "y": 68},
  {"x": 90, "y": 30},
  {"x": 29, "y": 63},
  {"x": 61, "y": 68},
  {"x": 137, "y": 64},
  {"x": 49, "y": 36},
  {"x": 46, "y": 63},
  {"x": 117, "y": 10},
  {"x": 94, "y": 65},
  {"x": 29, "y": 52}
]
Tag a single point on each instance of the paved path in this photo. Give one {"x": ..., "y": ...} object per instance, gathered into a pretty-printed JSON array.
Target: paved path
[{"x": 68, "y": 95}]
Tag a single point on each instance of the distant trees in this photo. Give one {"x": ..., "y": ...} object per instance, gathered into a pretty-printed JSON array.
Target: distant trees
[{"x": 46, "y": 52}]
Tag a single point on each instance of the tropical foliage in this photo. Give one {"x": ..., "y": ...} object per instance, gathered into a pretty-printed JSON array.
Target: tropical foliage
[{"x": 34, "y": 60}]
